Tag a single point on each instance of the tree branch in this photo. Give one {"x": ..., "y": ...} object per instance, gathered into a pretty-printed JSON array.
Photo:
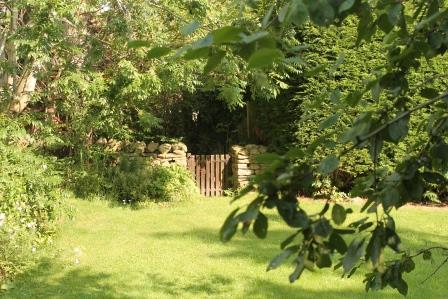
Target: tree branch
[{"x": 362, "y": 139}]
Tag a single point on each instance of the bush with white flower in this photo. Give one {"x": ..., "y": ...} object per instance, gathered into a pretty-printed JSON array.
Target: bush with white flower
[{"x": 30, "y": 203}]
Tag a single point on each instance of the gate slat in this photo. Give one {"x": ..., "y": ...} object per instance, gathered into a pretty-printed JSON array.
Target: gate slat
[
  {"x": 202, "y": 166},
  {"x": 207, "y": 175},
  {"x": 212, "y": 175},
  {"x": 221, "y": 172},
  {"x": 227, "y": 169},
  {"x": 197, "y": 171},
  {"x": 216, "y": 176}
]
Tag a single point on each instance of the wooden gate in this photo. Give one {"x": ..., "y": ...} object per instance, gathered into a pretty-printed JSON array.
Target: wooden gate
[{"x": 211, "y": 172}]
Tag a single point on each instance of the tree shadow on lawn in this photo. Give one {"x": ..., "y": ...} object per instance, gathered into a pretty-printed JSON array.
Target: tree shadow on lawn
[
  {"x": 44, "y": 281},
  {"x": 254, "y": 250},
  {"x": 216, "y": 286},
  {"x": 211, "y": 285},
  {"x": 261, "y": 251}
]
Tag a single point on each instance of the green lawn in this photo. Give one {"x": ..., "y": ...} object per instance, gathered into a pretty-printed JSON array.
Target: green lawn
[{"x": 174, "y": 252}]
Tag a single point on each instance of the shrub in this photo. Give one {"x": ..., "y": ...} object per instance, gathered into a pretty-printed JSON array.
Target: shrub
[
  {"x": 15, "y": 250},
  {"x": 136, "y": 181},
  {"x": 30, "y": 203}
]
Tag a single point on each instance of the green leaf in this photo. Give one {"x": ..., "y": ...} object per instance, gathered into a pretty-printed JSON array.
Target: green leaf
[
  {"x": 427, "y": 255},
  {"x": 288, "y": 240},
  {"x": 435, "y": 40},
  {"x": 346, "y": 5},
  {"x": 251, "y": 212},
  {"x": 264, "y": 57},
  {"x": 247, "y": 39},
  {"x": 375, "y": 148},
  {"x": 366, "y": 25},
  {"x": 440, "y": 151},
  {"x": 338, "y": 243},
  {"x": 394, "y": 13},
  {"x": 408, "y": 265},
  {"x": 384, "y": 23},
  {"x": 328, "y": 165},
  {"x": 261, "y": 226},
  {"x": 282, "y": 257},
  {"x": 300, "y": 266},
  {"x": 132, "y": 44},
  {"x": 399, "y": 129},
  {"x": 214, "y": 61},
  {"x": 431, "y": 19},
  {"x": 429, "y": 93},
  {"x": 323, "y": 261},
  {"x": 434, "y": 178},
  {"x": 393, "y": 240},
  {"x": 402, "y": 286},
  {"x": 353, "y": 98},
  {"x": 190, "y": 28},
  {"x": 267, "y": 17},
  {"x": 374, "y": 248},
  {"x": 321, "y": 12},
  {"x": 359, "y": 222},
  {"x": 229, "y": 227},
  {"x": 322, "y": 228},
  {"x": 196, "y": 53},
  {"x": 298, "y": 13},
  {"x": 294, "y": 218},
  {"x": 206, "y": 41},
  {"x": 228, "y": 34},
  {"x": 328, "y": 122},
  {"x": 325, "y": 209},
  {"x": 338, "y": 214},
  {"x": 354, "y": 252},
  {"x": 158, "y": 52},
  {"x": 391, "y": 198},
  {"x": 365, "y": 226},
  {"x": 283, "y": 12}
]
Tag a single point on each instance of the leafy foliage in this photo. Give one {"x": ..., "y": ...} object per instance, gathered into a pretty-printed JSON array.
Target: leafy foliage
[
  {"x": 31, "y": 202},
  {"x": 134, "y": 182}
]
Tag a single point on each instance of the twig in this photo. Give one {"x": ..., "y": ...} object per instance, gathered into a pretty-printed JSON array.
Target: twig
[
  {"x": 428, "y": 249},
  {"x": 435, "y": 271},
  {"x": 362, "y": 139}
]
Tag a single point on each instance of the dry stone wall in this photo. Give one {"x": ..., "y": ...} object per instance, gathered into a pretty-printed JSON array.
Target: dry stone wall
[
  {"x": 158, "y": 153},
  {"x": 244, "y": 163}
]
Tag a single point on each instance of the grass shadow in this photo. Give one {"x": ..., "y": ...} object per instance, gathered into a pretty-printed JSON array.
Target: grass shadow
[
  {"x": 43, "y": 281},
  {"x": 212, "y": 285}
]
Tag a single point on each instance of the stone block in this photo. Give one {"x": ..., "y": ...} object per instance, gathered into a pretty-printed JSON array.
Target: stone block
[
  {"x": 139, "y": 147},
  {"x": 152, "y": 147},
  {"x": 164, "y": 148},
  {"x": 179, "y": 146},
  {"x": 180, "y": 153}
]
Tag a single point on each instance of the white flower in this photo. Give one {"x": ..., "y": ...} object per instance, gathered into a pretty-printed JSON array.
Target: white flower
[
  {"x": 33, "y": 249},
  {"x": 31, "y": 225},
  {"x": 2, "y": 219}
]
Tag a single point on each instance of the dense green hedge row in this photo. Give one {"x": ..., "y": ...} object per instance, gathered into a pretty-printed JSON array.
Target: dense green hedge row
[{"x": 304, "y": 109}]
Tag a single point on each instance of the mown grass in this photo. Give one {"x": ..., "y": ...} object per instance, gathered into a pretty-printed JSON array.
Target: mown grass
[{"x": 174, "y": 252}]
